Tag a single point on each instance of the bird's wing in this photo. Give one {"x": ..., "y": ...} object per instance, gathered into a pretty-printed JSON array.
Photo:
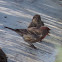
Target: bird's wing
[{"x": 34, "y": 30}]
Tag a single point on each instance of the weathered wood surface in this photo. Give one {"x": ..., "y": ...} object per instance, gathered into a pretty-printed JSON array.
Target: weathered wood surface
[{"x": 16, "y": 15}]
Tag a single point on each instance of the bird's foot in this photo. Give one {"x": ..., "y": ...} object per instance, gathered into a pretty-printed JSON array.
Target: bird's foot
[{"x": 33, "y": 46}]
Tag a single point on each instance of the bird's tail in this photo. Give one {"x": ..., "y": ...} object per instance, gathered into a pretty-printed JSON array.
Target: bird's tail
[
  {"x": 10, "y": 28},
  {"x": 19, "y": 31}
]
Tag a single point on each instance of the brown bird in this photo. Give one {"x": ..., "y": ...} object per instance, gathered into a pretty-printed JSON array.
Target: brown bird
[
  {"x": 33, "y": 34},
  {"x": 36, "y": 21}
]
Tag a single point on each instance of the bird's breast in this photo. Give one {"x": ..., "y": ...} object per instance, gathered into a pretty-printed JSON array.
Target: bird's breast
[{"x": 30, "y": 38}]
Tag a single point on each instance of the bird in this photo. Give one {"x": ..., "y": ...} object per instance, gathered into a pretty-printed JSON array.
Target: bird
[
  {"x": 36, "y": 21},
  {"x": 33, "y": 34}
]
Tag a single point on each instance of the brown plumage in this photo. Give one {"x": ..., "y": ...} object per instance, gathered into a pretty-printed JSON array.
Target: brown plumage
[
  {"x": 33, "y": 34},
  {"x": 36, "y": 21}
]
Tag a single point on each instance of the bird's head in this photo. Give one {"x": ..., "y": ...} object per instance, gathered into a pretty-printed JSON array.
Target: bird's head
[{"x": 36, "y": 18}]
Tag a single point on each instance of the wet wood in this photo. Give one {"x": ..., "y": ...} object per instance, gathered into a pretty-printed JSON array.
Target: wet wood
[{"x": 14, "y": 46}]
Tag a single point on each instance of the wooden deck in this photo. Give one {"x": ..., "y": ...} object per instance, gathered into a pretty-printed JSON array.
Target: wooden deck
[{"x": 19, "y": 51}]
